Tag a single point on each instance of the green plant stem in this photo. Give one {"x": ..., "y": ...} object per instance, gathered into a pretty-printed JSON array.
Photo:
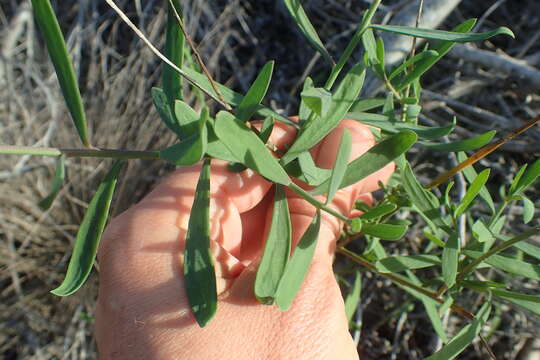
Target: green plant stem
[
  {"x": 99, "y": 153},
  {"x": 310, "y": 199},
  {"x": 400, "y": 280},
  {"x": 503, "y": 246},
  {"x": 357, "y": 37}
]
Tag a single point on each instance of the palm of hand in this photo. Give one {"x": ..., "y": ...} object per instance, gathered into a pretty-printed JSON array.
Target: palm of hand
[{"x": 142, "y": 309}]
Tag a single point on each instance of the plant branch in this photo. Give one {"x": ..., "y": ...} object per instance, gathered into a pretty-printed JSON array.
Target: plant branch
[
  {"x": 505, "y": 245},
  {"x": 310, "y": 199},
  {"x": 403, "y": 282},
  {"x": 98, "y": 153}
]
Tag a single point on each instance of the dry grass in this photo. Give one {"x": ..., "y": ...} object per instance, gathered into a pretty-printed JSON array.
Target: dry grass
[{"x": 236, "y": 38}]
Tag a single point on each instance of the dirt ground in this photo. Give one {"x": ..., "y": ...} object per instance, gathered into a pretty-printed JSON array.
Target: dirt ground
[{"x": 236, "y": 38}]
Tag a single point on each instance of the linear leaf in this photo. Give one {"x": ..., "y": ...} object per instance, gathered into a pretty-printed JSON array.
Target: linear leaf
[
  {"x": 374, "y": 159},
  {"x": 431, "y": 34},
  {"x": 310, "y": 173},
  {"x": 250, "y": 103},
  {"x": 248, "y": 148},
  {"x": 465, "y": 337},
  {"x": 216, "y": 148},
  {"x": 353, "y": 297},
  {"x": 304, "y": 111},
  {"x": 470, "y": 175},
  {"x": 528, "y": 209},
  {"x": 462, "y": 145},
  {"x": 58, "y": 180},
  {"x": 187, "y": 118},
  {"x": 56, "y": 46},
  {"x": 529, "y": 177},
  {"x": 529, "y": 302},
  {"x": 276, "y": 250},
  {"x": 366, "y": 104},
  {"x": 529, "y": 249},
  {"x": 298, "y": 265},
  {"x": 317, "y": 100},
  {"x": 383, "y": 122},
  {"x": 450, "y": 257},
  {"x": 342, "y": 99},
  {"x": 385, "y": 231},
  {"x": 302, "y": 21},
  {"x": 340, "y": 165},
  {"x": 400, "y": 263},
  {"x": 199, "y": 273},
  {"x": 473, "y": 190},
  {"x": 164, "y": 110},
  {"x": 174, "y": 51},
  {"x": 186, "y": 152},
  {"x": 89, "y": 234},
  {"x": 510, "y": 265},
  {"x": 481, "y": 232},
  {"x": 266, "y": 129},
  {"x": 411, "y": 61},
  {"x": 378, "y": 211}
]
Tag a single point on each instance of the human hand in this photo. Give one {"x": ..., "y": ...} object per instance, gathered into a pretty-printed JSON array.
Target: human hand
[{"x": 143, "y": 311}]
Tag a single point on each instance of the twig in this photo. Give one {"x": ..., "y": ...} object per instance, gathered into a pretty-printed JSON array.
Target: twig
[
  {"x": 124, "y": 17},
  {"x": 99, "y": 153},
  {"x": 197, "y": 55},
  {"x": 506, "y": 64}
]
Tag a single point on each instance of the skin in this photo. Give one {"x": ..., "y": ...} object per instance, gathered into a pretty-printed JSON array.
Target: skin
[{"x": 142, "y": 310}]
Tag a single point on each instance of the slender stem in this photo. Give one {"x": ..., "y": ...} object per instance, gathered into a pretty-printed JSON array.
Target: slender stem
[
  {"x": 366, "y": 20},
  {"x": 99, "y": 153},
  {"x": 310, "y": 199},
  {"x": 505, "y": 245},
  {"x": 403, "y": 282}
]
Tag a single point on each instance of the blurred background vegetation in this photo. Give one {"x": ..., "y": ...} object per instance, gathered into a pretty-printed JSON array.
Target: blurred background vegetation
[{"x": 116, "y": 72}]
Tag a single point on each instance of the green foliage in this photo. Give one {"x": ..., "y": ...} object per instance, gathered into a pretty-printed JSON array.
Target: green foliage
[
  {"x": 89, "y": 234},
  {"x": 455, "y": 260}
]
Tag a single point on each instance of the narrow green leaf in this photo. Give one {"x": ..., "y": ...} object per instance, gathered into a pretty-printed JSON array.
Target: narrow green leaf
[
  {"x": 424, "y": 201},
  {"x": 56, "y": 46},
  {"x": 508, "y": 264},
  {"x": 353, "y": 297},
  {"x": 529, "y": 177},
  {"x": 276, "y": 250},
  {"x": 515, "y": 181},
  {"x": 378, "y": 211},
  {"x": 187, "y": 118},
  {"x": 216, "y": 148},
  {"x": 58, "y": 180},
  {"x": 344, "y": 96},
  {"x": 310, "y": 173},
  {"x": 394, "y": 264},
  {"x": 385, "y": 231},
  {"x": 317, "y": 100},
  {"x": 370, "y": 47},
  {"x": 465, "y": 337},
  {"x": 383, "y": 122},
  {"x": 250, "y": 103},
  {"x": 529, "y": 249},
  {"x": 481, "y": 232},
  {"x": 266, "y": 129},
  {"x": 298, "y": 266},
  {"x": 421, "y": 67},
  {"x": 450, "y": 257},
  {"x": 199, "y": 273},
  {"x": 304, "y": 110},
  {"x": 302, "y": 21},
  {"x": 89, "y": 234},
  {"x": 366, "y": 104},
  {"x": 431, "y": 34},
  {"x": 528, "y": 209},
  {"x": 248, "y": 148},
  {"x": 374, "y": 159},
  {"x": 411, "y": 61},
  {"x": 473, "y": 190},
  {"x": 340, "y": 165},
  {"x": 174, "y": 51},
  {"x": 470, "y": 175},
  {"x": 462, "y": 145},
  {"x": 186, "y": 152},
  {"x": 164, "y": 110},
  {"x": 529, "y": 302}
]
